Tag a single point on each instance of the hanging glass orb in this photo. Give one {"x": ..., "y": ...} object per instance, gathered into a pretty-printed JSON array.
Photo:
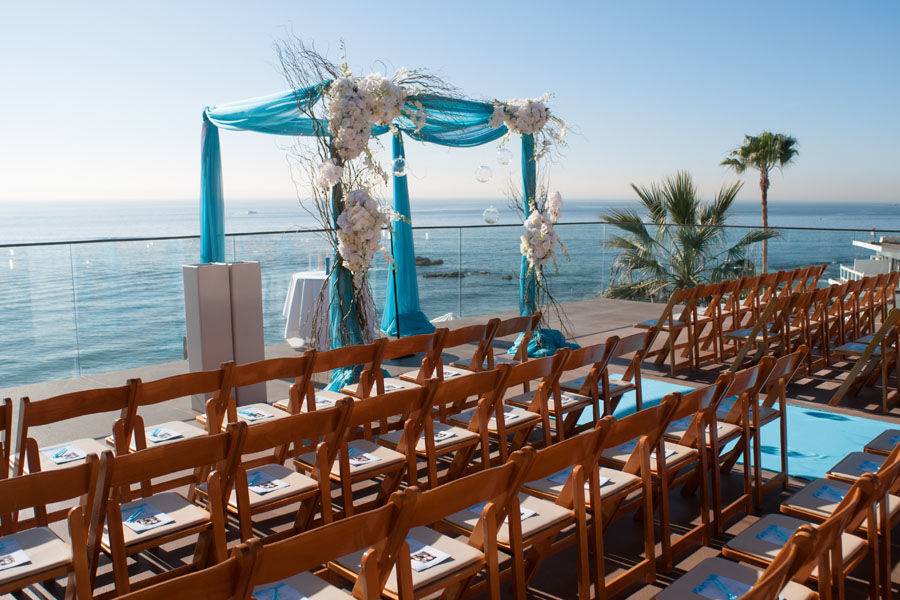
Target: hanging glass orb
[
  {"x": 484, "y": 173},
  {"x": 491, "y": 215},
  {"x": 504, "y": 156},
  {"x": 398, "y": 166}
]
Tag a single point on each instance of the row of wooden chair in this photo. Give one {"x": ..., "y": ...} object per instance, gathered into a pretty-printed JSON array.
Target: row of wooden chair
[{"x": 697, "y": 334}]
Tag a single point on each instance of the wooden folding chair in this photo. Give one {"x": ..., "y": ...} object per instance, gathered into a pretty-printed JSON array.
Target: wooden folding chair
[
  {"x": 732, "y": 427},
  {"x": 837, "y": 552},
  {"x": 672, "y": 327},
  {"x": 285, "y": 568},
  {"x": 818, "y": 330},
  {"x": 684, "y": 459},
  {"x": 767, "y": 335},
  {"x": 510, "y": 424},
  {"x": 154, "y": 514},
  {"x": 262, "y": 483},
  {"x": 525, "y": 328},
  {"x": 705, "y": 319},
  {"x": 132, "y": 433},
  {"x": 481, "y": 337},
  {"x": 718, "y": 577},
  {"x": 874, "y": 356},
  {"x": 818, "y": 500},
  {"x": 427, "y": 344},
  {"x": 223, "y": 408},
  {"x": 227, "y": 580},
  {"x": 561, "y": 483},
  {"x": 364, "y": 456},
  {"x": 30, "y": 458},
  {"x": 455, "y": 444},
  {"x": 30, "y": 552},
  {"x": 627, "y": 487},
  {"x": 362, "y": 357},
  {"x": 577, "y": 393},
  {"x": 738, "y": 305},
  {"x": 489, "y": 495}
]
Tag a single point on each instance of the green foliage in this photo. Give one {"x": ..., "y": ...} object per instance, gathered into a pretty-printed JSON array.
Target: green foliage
[
  {"x": 683, "y": 245},
  {"x": 763, "y": 152}
]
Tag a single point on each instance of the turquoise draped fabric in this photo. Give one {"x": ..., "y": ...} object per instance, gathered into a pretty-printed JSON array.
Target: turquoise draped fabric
[
  {"x": 212, "y": 204},
  {"x": 404, "y": 307}
]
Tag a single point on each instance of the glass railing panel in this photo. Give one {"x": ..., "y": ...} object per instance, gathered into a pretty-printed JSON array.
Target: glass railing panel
[
  {"x": 130, "y": 299},
  {"x": 37, "y": 315},
  {"x": 280, "y": 256}
]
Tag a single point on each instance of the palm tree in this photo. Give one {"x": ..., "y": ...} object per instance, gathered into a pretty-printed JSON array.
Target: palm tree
[
  {"x": 763, "y": 152},
  {"x": 685, "y": 243}
]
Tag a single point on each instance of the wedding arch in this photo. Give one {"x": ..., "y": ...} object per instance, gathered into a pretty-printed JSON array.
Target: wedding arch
[{"x": 452, "y": 122}]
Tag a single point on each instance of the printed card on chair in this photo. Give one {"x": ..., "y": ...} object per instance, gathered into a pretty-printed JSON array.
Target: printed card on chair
[
  {"x": 64, "y": 454},
  {"x": 445, "y": 434},
  {"x": 775, "y": 534},
  {"x": 260, "y": 482},
  {"x": 424, "y": 557},
  {"x": 11, "y": 554},
  {"x": 277, "y": 591},
  {"x": 143, "y": 516},
  {"x": 719, "y": 587},
  {"x": 253, "y": 414},
  {"x": 359, "y": 458},
  {"x": 829, "y": 493},
  {"x": 157, "y": 435}
]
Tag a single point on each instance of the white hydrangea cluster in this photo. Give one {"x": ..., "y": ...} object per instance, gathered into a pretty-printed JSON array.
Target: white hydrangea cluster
[
  {"x": 384, "y": 98},
  {"x": 329, "y": 174},
  {"x": 359, "y": 233},
  {"x": 540, "y": 240},
  {"x": 521, "y": 115},
  {"x": 348, "y": 118},
  {"x": 355, "y": 104},
  {"x": 416, "y": 114}
]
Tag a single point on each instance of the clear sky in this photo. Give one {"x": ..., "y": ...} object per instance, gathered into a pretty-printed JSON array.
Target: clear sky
[{"x": 102, "y": 100}]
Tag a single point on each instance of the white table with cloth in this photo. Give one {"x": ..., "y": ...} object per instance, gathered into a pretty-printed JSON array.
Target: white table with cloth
[{"x": 299, "y": 311}]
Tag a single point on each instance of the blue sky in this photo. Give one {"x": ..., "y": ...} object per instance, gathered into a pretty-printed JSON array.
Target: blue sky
[{"x": 102, "y": 100}]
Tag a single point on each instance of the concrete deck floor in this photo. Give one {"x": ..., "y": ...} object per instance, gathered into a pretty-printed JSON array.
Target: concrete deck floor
[{"x": 592, "y": 320}]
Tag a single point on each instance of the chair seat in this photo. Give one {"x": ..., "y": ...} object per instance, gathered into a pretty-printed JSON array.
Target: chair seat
[
  {"x": 461, "y": 554},
  {"x": 714, "y": 574},
  {"x": 612, "y": 483},
  {"x": 513, "y": 418},
  {"x": 166, "y": 433},
  {"x": 385, "y": 457},
  {"x": 852, "y": 466},
  {"x": 297, "y": 483},
  {"x": 43, "y": 549},
  {"x": 675, "y": 454},
  {"x": 764, "y": 539},
  {"x": 537, "y": 516},
  {"x": 302, "y": 585},
  {"x": 391, "y": 384},
  {"x": 766, "y": 413},
  {"x": 856, "y": 348},
  {"x": 450, "y": 372},
  {"x": 617, "y": 386},
  {"x": 665, "y": 324},
  {"x": 884, "y": 443},
  {"x": 323, "y": 399},
  {"x": 83, "y": 446},
  {"x": 677, "y": 429},
  {"x": 570, "y": 401},
  {"x": 506, "y": 359},
  {"x": 820, "y": 498},
  {"x": 184, "y": 514},
  {"x": 444, "y": 434},
  {"x": 259, "y": 412}
]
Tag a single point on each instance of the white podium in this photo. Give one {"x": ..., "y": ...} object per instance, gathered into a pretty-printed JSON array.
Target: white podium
[{"x": 223, "y": 315}]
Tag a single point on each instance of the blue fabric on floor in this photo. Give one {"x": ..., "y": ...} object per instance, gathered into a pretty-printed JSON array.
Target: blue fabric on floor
[{"x": 817, "y": 439}]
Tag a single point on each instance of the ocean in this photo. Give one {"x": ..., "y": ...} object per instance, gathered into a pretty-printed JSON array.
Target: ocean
[{"x": 94, "y": 307}]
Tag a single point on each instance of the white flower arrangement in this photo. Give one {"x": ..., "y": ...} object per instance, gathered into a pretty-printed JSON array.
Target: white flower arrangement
[
  {"x": 329, "y": 174},
  {"x": 539, "y": 242},
  {"x": 355, "y": 104},
  {"x": 522, "y": 115},
  {"x": 359, "y": 232}
]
